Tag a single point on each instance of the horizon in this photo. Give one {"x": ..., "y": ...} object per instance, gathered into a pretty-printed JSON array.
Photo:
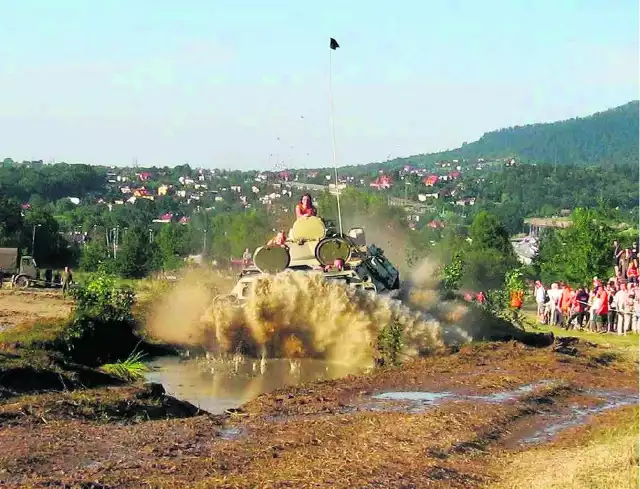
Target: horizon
[
  {"x": 53, "y": 162},
  {"x": 218, "y": 87}
]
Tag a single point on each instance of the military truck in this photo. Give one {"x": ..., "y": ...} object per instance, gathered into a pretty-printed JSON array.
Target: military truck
[
  {"x": 314, "y": 244},
  {"x": 22, "y": 269}
]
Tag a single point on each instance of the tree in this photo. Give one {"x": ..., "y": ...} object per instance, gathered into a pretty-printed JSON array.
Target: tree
[
  {"x": 578, "y": 253},
  {"x": 41, "y": 230},
  {"x": 138, "y": 256},
  {"x": 11, "y": 222},
  {"x": 175, "y": 241},
  {"x": 94, "y": 255},
  {"x": 487, "y": 232},
  {"x": 489, "y": 255}
]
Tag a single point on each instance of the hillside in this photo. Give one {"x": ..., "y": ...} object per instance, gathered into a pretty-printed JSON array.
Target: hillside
[{"x": 604, "y": 138}]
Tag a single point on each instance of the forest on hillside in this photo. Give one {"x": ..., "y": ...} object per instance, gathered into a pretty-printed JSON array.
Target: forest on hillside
[{"x": 605, "y": 138}]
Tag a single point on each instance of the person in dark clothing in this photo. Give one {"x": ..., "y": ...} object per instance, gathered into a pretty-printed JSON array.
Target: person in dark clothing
[{"x": 67, "y": 277}]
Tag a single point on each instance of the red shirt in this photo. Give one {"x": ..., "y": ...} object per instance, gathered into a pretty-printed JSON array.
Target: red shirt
[
  {"x": 304, "y": 211},
  {"x": 604, "y": 304}
]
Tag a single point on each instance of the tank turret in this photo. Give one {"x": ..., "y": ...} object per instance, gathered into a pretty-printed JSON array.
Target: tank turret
[{"x": 314, "y": 244}]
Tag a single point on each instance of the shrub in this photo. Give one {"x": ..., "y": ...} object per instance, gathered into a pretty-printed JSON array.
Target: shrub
[
  {"x": 390, "y": 343},
  {"x": 130, "y": 369},
  {"x": 102, "y": 326}
]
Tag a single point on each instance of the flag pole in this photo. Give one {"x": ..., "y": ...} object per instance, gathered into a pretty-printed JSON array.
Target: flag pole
[{"x": 333, "y": 137}]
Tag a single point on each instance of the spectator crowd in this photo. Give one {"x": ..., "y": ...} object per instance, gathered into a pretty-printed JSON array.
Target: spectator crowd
[{"x": 612, "y": 306}]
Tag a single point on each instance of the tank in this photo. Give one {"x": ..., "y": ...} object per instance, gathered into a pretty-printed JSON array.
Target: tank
[{"x": 314, "y": 244}]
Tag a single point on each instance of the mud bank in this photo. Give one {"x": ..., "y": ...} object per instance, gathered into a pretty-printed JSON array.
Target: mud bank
[{"x": 324, "y": 434}]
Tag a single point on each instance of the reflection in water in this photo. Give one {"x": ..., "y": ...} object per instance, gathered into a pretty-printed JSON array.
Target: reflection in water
[{"x": 215, "y": 385}]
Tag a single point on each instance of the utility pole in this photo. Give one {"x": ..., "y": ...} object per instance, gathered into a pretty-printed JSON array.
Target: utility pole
[
  {"x": 204, "y": 243},
  {"x": 115, "y": 241}
]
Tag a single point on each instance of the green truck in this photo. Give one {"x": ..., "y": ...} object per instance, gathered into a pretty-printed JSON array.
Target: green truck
[{"x": 22, "y": 270}]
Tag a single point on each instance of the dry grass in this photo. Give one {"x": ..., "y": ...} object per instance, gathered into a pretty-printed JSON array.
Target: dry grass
[
  {"x": 28, "y": 306},
  {"x": 604, "y": 457}
]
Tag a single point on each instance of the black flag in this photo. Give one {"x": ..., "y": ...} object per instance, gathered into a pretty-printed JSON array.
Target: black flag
[{"x": 334, "y": 44}]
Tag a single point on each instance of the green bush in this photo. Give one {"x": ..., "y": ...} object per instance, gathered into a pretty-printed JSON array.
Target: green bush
[
  {"x": 390, "y": 344},
  {"x": 102, "y": 326}
]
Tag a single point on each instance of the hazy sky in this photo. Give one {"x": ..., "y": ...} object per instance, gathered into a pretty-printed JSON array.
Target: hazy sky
[{"x": 216, "y": 83}]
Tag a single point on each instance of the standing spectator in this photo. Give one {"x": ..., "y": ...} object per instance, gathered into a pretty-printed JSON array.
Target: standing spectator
[
  {"x": 67, "y": 278},
  {"x": 620, "y": 300},
  {"x": 565, "y": 302},
  {"x": 635, "y": 319},
  {"x": 600, "y": 308},
  {"x": 632, "y": 272},
  {"x": 553, "y": 306},
  {"x": 580, "y": 305},
  {"x": 617, "y": 252},
  {"x": 516, "y": 301},
  {"x": 628, "y": 309},
  {"x": 624, "y": 262},
  {"x": 612, "y": 317},
  {"x": 540, "y": 293}
]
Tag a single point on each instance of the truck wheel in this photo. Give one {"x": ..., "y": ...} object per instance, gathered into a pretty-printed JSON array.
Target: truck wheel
[{"x": 21, "y": 282}]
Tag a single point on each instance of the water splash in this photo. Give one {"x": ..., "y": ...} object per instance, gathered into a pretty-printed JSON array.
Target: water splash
[{"x": 301, "y": 315}]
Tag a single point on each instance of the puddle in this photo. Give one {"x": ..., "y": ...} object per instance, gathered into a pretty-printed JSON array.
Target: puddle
[
  {"x": 418, "y": 401},
  {"x": 230, "y": 433},
  {"x": 504, "y": 396},
  {"x": 216, "y": 386},
  {"x": 551, "y": 425},
  {"x": 424, "y": 397}
]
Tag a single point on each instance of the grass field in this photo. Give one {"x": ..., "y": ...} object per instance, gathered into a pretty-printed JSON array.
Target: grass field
[{"x": 603, "y": 455}]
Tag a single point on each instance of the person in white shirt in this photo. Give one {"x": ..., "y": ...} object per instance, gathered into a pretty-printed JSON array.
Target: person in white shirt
[
  {"x": 539, "y": 293},
  {"x": 624, "y": 316},
  {"x": 555, "y": 294}
]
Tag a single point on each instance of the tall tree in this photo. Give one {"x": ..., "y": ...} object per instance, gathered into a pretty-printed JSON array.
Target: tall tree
[
  {"x": 578, "y": 253},
  {"x": 138, "y": 256}
]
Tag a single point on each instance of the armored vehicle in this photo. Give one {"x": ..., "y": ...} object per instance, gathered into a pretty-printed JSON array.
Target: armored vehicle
[{"x": 314, "y": 244}]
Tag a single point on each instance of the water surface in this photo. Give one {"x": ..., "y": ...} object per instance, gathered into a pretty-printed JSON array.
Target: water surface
[{"x": 216, "y": 386}]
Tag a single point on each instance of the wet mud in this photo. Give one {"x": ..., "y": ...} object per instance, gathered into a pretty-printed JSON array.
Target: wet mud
[{"x": 491, "y": 398}]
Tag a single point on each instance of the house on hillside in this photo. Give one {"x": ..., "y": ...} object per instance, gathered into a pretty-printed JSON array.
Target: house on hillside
[
  {"x": 144, "y": 176},
  {"x": 382, "y": 182},
  {"x": 165, "y": 189},
  {"x": 165, "y": 218},
  {"x": 141, "y": 192},
  {"x": 431, "y": 180},
  {"x": 466, "y": 201}
]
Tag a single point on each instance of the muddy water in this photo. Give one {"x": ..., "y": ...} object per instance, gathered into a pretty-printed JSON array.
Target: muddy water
[{"x": 216, "y": 385}]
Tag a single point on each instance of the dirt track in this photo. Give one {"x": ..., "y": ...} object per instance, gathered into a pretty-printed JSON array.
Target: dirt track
[
  {"x": 18, "y": 306},
  {"x": 326, "y": 434}
]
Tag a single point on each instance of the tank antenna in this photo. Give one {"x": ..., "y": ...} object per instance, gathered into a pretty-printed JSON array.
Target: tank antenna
[{"x": 333, "y": 45}]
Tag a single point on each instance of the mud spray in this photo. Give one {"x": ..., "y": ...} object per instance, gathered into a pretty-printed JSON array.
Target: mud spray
[{"x": 296, "y": 315}]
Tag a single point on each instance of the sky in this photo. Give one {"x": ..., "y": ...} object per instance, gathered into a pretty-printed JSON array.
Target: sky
[{"x": 245, "y": 84}]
